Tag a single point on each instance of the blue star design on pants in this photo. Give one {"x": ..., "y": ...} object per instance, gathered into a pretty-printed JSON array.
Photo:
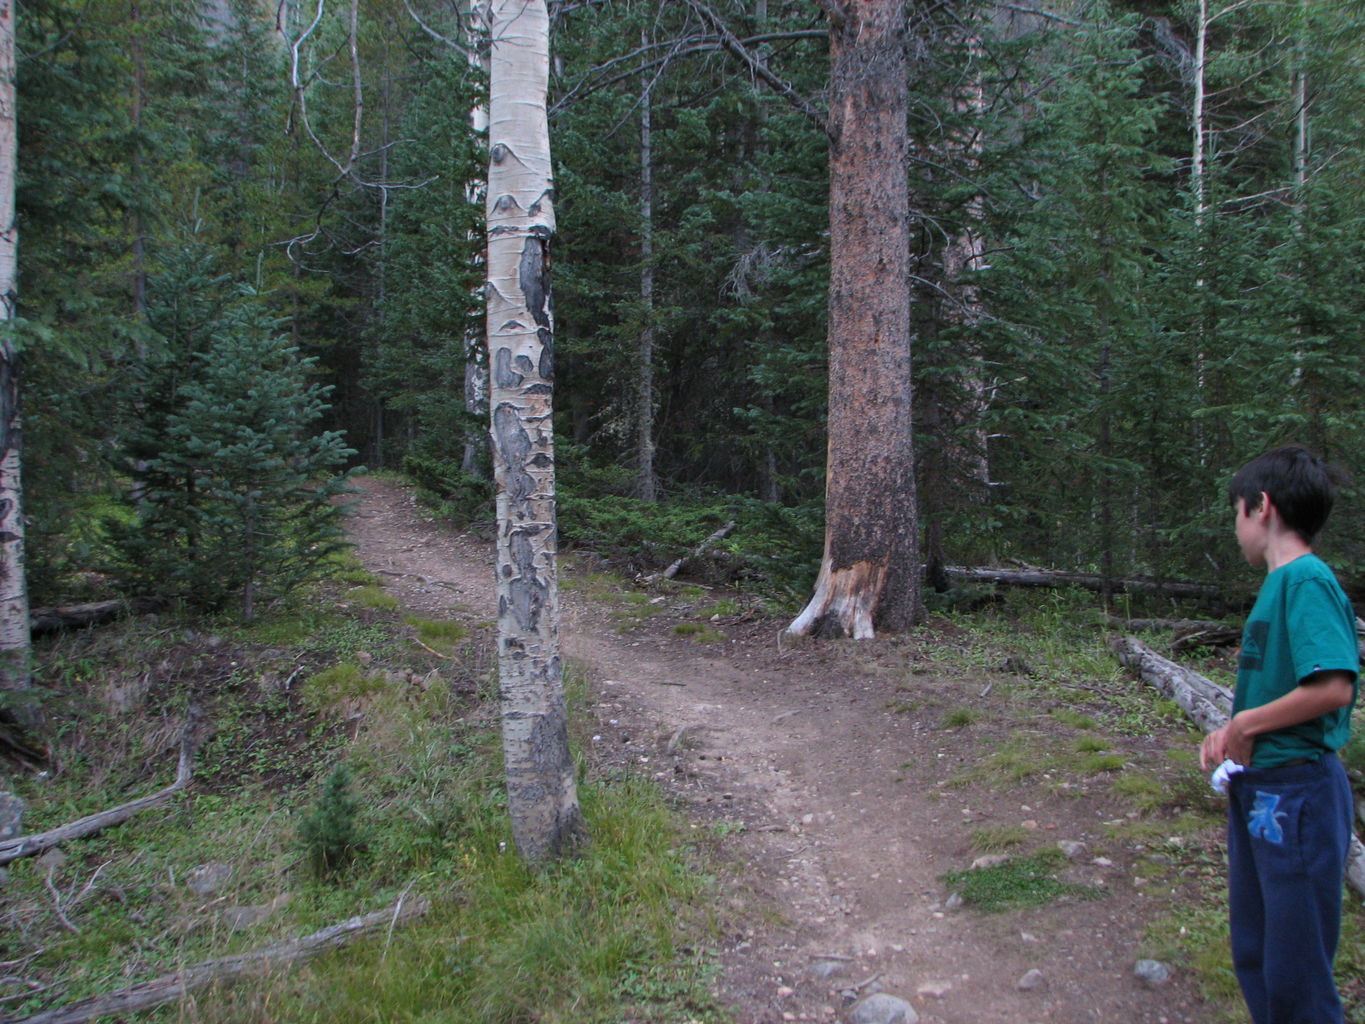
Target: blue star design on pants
[{"x": 1263, "y": 821}]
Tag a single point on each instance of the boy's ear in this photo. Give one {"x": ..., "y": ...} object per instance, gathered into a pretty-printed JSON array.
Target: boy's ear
[{"x": 1264, "y": 506}]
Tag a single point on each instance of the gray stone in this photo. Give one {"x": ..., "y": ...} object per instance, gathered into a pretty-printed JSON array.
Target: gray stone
[
  {"x": 824, "y": 969},
  {"x": 238, "y": 918},
  {"x": 884, "y": 1009},
  {"x": 207, "y": 879},
  {"x": 990, "y": 860},
  {"x": 51, "y": 860},
  {"x": 11, "y": 816},
  {"x": 1152, "y": 972},
  {"x": 1031, "y": 980},
  {"x": 1071, "y": 848}
]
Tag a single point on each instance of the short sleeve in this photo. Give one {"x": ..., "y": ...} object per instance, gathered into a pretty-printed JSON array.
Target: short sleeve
[{"x": 1321, "y": 630}]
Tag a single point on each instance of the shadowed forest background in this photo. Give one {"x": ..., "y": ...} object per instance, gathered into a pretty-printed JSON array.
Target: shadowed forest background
[{"x": 1137, "y": 261}]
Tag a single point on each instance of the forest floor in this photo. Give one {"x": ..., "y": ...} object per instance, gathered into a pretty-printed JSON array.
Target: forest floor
[{"x": 844, "y": 779}]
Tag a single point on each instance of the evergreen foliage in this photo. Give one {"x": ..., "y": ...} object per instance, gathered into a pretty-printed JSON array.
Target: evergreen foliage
[
  {"x": 329, "y": 831},
  {"x": 1118, "y": 349},
  {"x": 235, "y": 493}
]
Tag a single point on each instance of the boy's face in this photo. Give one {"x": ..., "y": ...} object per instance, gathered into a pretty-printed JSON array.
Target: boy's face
[{"x": 1252, "y": 531}]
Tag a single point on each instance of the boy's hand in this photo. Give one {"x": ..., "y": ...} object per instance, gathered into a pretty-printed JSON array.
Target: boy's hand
[
  {"x": 1211, "y": 750},
  {"x": 1312, "y": 698},
  {"x": 1228, "y": 743}
]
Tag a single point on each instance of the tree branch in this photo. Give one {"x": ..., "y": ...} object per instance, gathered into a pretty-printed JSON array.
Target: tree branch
[
  {"x": 169, "y": 987},
  {"x": 27, "y": 846},
  {"x": 732, "y": 43}
]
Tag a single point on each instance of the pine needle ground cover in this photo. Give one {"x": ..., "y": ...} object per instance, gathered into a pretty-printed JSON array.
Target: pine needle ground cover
[{"x": 347, "y": 759}]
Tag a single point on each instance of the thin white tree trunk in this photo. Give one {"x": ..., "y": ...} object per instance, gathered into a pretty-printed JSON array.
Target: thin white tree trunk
[
  {"x": 1198, "y": 129},
  {"x": 476, "y": 369},
  {"x": 542, "y": 798},
  {"x": 1198, "y": 178},
  {"x": 14, "y": 630}
]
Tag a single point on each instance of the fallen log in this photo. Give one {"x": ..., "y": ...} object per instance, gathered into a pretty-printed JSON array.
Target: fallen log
[
  {"x": 81, "y": 616},
  {"x": 1202, "y": 699},
  {"x": 28, "y": 846},
  {"x": 696, "y": 552},
  {"x": 1086, "y": 581},
  {"x": 1210, "y": 705},
  {"x": 1161, "y": 625},
  {"x": 173, "y": 986},
  {"x": 1187, "y": 633}
]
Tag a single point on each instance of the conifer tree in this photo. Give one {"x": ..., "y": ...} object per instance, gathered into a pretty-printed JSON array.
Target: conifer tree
[{"x": 236, "y": 491}]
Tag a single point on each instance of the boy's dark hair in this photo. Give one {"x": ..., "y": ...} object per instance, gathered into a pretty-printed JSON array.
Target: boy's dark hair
[{"x": 1301, "y": 487}]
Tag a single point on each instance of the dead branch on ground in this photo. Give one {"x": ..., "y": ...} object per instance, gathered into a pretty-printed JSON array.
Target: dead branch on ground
[
  {"x": 170, "y": 987},
  {"x": 28, "y": 846},
  {"x": 696, "y": 552}
]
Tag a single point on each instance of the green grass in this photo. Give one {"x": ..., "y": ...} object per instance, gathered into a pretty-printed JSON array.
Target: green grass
[
  {"x": 1094, "y": 764},
  {"x": 445, "y": 638},
  {"x": 1073, "y": 718},
  {"x": 373, "y": 596},
  {"x": 998, "y": 838},
  {"x": 621, "y": 933},
  {"x": 1019, "y": 882},
  {"x": 700, "y": 632},
  {"x": 960, "y": 717}
]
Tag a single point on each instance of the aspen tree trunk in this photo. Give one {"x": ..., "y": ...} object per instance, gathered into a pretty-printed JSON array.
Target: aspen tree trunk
[
  {"x": 542, "y": 798},
  {"x": 14, "y": 631},
  {"x": 870, "y": 574},
  {"x": 646, "y": 482},
  {"x": 476, "y": 369}
]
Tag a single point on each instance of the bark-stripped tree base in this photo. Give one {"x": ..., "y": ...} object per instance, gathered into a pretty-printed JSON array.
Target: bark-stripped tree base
[{"x": 844, "y": 603}]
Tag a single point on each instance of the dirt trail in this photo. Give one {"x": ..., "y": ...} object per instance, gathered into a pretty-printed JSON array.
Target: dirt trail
[{"x": 831, "y": 789}]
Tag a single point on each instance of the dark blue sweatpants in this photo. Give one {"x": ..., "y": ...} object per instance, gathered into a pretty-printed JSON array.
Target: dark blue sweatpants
[{"x": 1289, "y": 833}]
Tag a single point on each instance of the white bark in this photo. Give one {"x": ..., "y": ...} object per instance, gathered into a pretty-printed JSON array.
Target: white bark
[
  {"x": 14, "y": 630},
  {"x": 542, "y": 798},
  {"x": 475, "y": 369},
  {"x": 1197, "y": 125}
]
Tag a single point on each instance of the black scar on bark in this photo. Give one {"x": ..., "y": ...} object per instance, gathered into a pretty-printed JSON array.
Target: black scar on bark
[
  {"x": 509, "y": 372},
  {"x": 514, "y": 445},
  {"x": 534, "y": 273},
  {"x": 527, "y": 593},
  {"x": 547, "y": 353},
  {"x": 503, "y": 374}
]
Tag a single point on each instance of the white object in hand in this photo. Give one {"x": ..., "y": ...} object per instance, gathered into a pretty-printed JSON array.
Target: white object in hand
[{"x": 1222, "y": 773}]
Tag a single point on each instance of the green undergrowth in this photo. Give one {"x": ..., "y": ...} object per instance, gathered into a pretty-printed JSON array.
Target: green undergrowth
[
  {"x": 346, "y": 759},
  {"x": 1023, "y": 881},
  {"x": 1070, "y": 721}
]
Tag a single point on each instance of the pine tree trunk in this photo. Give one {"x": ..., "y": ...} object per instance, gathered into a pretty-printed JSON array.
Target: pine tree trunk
[
  {"x": 870, "y": 573},
  {"x": 542, "y": 798},
  {"x": 15, "y": 670}
]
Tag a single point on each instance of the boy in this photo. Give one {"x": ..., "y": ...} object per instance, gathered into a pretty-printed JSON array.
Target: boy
[{"x": 1289, "y": 811}]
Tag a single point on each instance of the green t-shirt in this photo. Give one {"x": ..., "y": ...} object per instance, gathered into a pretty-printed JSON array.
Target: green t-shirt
[{"x": 1301, "y": 624}]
